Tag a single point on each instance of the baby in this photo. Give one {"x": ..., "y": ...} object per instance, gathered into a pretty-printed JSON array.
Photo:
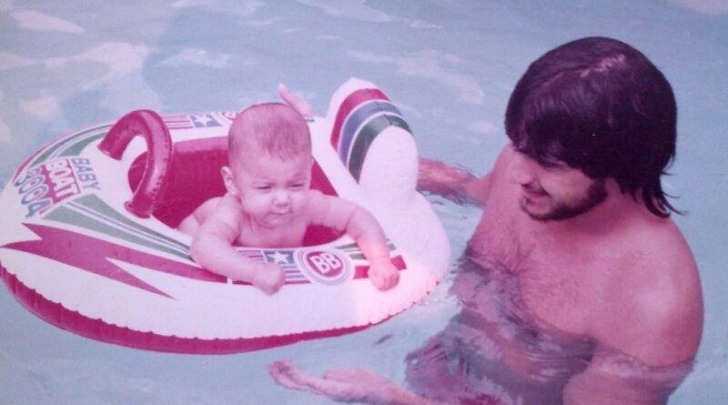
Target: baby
[{"x": 269, "y": 203}]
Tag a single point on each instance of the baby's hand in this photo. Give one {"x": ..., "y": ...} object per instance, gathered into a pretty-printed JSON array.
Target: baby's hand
[
  {"x": 383, "y": 274},
  {"x": 268, "y": 277}
]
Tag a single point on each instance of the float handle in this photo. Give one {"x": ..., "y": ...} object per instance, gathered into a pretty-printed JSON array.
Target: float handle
[{"x": 152, "y": 128}]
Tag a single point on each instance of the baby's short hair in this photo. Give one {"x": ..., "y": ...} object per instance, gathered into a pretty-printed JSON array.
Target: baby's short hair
[{"x": 274, "y": 128}]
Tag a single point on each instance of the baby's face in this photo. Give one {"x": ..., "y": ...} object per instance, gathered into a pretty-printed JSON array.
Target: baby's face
[{"x": 271, "y": 190}]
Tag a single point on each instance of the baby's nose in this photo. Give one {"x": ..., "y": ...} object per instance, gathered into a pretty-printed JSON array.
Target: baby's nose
[{"x": 282, "y": 197}]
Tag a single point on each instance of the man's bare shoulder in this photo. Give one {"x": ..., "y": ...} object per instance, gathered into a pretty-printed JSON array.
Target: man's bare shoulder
[
  {"x": 660, "y": 250},
  {"x": 655, "y": 308}
]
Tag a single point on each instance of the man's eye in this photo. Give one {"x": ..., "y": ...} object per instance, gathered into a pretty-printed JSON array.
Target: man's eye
[
  {"x": 554, "y": 164},
  {"x": 549, "y": 164}
]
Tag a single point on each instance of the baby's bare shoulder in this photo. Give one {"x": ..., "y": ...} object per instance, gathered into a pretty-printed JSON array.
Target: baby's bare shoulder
[{"x": 328, "y": 210}]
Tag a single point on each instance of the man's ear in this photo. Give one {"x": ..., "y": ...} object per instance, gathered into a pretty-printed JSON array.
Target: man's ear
[{"x": 229, "y": 180}]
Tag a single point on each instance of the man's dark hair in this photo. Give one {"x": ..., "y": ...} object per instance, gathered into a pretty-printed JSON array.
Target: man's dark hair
[{"x": 600, "y": 106}]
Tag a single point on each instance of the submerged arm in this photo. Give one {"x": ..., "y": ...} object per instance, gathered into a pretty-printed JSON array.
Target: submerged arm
[
  {"x": 648, "y": 349},
  {"x": 346, "y": 385},
  {"x": 457, "y": 184},
  {"x": 613, "y": 378},
  {"x": 451, "y": 182}
]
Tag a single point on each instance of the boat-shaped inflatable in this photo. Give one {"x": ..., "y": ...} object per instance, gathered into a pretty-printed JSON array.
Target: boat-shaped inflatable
[{"x": 89, "y": 241}]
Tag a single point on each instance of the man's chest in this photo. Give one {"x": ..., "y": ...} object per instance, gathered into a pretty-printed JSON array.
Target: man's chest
[{"x": 561, "y": 282}]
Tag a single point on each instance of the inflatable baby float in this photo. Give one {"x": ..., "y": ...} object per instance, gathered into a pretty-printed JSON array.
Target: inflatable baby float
[{"x": 89, "y": 240}]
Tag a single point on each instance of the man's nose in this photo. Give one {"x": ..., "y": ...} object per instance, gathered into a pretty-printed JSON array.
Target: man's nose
[{"x": 522, "y": 169}]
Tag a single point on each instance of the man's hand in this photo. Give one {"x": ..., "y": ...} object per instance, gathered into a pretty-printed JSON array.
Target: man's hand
[
  {"x": 292, "y": 100},
  {"x": 346, "y": 385}
]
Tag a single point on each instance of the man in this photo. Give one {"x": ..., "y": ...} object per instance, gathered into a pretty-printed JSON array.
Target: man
[{"x": 578, "y": 288}]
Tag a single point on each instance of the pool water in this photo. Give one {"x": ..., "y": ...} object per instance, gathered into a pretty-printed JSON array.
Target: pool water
[{"x": 448, "y": 65}]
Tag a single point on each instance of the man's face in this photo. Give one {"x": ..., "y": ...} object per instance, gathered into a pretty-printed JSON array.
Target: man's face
[{"x": 554, "y": 192}]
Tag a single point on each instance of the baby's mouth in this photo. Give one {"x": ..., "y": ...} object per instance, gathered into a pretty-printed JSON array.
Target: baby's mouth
[{"x": 282, "y": 214}]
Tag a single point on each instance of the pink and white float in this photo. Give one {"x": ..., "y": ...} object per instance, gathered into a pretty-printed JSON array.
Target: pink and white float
[{"x": 88, "y": 240}]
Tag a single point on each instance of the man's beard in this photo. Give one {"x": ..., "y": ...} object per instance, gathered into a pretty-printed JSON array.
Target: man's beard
[{"x": 596, "y": 194}]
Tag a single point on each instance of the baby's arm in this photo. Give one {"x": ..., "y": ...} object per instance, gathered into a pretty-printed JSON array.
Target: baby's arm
[
  {"x": 361, "y": 225},
  {"x": 368, "y": 234},
  {"x": 192, "y": 222},
  {"x": 212, "y": 248}
]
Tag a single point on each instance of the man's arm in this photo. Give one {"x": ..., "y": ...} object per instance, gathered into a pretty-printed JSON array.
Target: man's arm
[
  {"x": 295, "y": 102},
  {"x": 451, "y": 182},
  {"x": 458, "y": 184},
  {"x": 346, "y": 385},
  {"x": 614, "y": 378},
  {"x": 648, "y": 333},
  {"x": 435, "y": 177}
]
